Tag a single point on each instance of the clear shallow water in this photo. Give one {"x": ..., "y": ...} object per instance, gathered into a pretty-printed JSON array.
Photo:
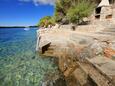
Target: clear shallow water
[{"x": 19, "y": 64}]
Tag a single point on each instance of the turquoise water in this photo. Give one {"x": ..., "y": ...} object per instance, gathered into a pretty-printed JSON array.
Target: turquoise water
[{"x": 19, "y": 64}]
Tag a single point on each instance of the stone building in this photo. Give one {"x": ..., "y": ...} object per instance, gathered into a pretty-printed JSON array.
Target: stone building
[{"x": 104, "y": 10}]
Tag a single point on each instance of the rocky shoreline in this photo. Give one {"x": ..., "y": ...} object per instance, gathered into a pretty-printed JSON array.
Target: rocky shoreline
[{"x": 85, "y": 57}]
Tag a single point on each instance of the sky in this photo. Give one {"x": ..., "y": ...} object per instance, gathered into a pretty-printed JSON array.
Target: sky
[{"x": 24, "y": 12}]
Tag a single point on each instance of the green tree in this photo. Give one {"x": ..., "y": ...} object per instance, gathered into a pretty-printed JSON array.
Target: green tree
[
  {"x": 73, "y": 10},
  {"x": 69, "y": 10},
  {"x": 45, "y": 21},
  {"x": 61, "y": 8},
  {"x": 82, "y": 9}
]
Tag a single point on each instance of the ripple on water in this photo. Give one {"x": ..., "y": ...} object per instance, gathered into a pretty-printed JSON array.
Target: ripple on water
[{"x": 19, "y": 65}]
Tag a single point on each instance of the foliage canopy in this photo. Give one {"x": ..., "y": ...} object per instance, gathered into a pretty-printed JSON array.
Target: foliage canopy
[
  {"x": 71, "y": 10},
  {"x": 76, "y": 13},
  {"x": 45, "y": 21}
]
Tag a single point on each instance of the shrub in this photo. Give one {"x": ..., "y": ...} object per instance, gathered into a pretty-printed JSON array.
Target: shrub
[
  {"x": 61, "y": 8},
  {"x": 73, "y": 10},
  {"x": 45, "y": 21},
  {"x": 79, "y": 11}
]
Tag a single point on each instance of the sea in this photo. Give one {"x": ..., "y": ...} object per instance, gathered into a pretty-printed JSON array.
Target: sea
[{"x": 20, "y": 64}]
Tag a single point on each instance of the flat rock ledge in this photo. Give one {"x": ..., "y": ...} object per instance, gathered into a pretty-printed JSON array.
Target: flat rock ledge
[{"x": 85, "y": 58}]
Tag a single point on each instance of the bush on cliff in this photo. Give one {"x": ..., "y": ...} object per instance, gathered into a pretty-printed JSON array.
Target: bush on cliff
[
  {"x": 82, "y": 9},
  {"x": 61, "y": 8},
  {"x": 69, "y": 11},
  {"x": 45, "y": 21},
  {"x": 73, "y": 10}
]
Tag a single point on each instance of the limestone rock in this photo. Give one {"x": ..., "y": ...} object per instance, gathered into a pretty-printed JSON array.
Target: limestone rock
[
  {"x": 73, "y": 49},
  {"x": 96, "y": 48}
]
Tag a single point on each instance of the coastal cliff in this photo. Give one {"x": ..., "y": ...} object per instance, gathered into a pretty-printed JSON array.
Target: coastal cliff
[
  {"x": 86, "y": 56},
  {"x": 83, "y": 42}
]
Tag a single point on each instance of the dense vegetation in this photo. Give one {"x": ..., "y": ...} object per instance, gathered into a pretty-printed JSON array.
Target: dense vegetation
[
  {"x": 76, "y": 13},
  {"x": 69, "y": 11},
  {"x": 45, "y": 21}
]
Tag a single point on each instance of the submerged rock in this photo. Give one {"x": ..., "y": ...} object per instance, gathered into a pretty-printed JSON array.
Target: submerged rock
[
  {"x": 33, "y": 57},
  {"x": 58, "y": 82},
  {"x": 54, "y": 80}
]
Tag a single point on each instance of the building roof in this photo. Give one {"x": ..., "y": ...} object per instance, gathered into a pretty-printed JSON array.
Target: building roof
[{"x": 104, "y": 3}]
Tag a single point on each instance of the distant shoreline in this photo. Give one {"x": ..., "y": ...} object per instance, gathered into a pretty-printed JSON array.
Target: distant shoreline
[{"x": 18, "y": 27}]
